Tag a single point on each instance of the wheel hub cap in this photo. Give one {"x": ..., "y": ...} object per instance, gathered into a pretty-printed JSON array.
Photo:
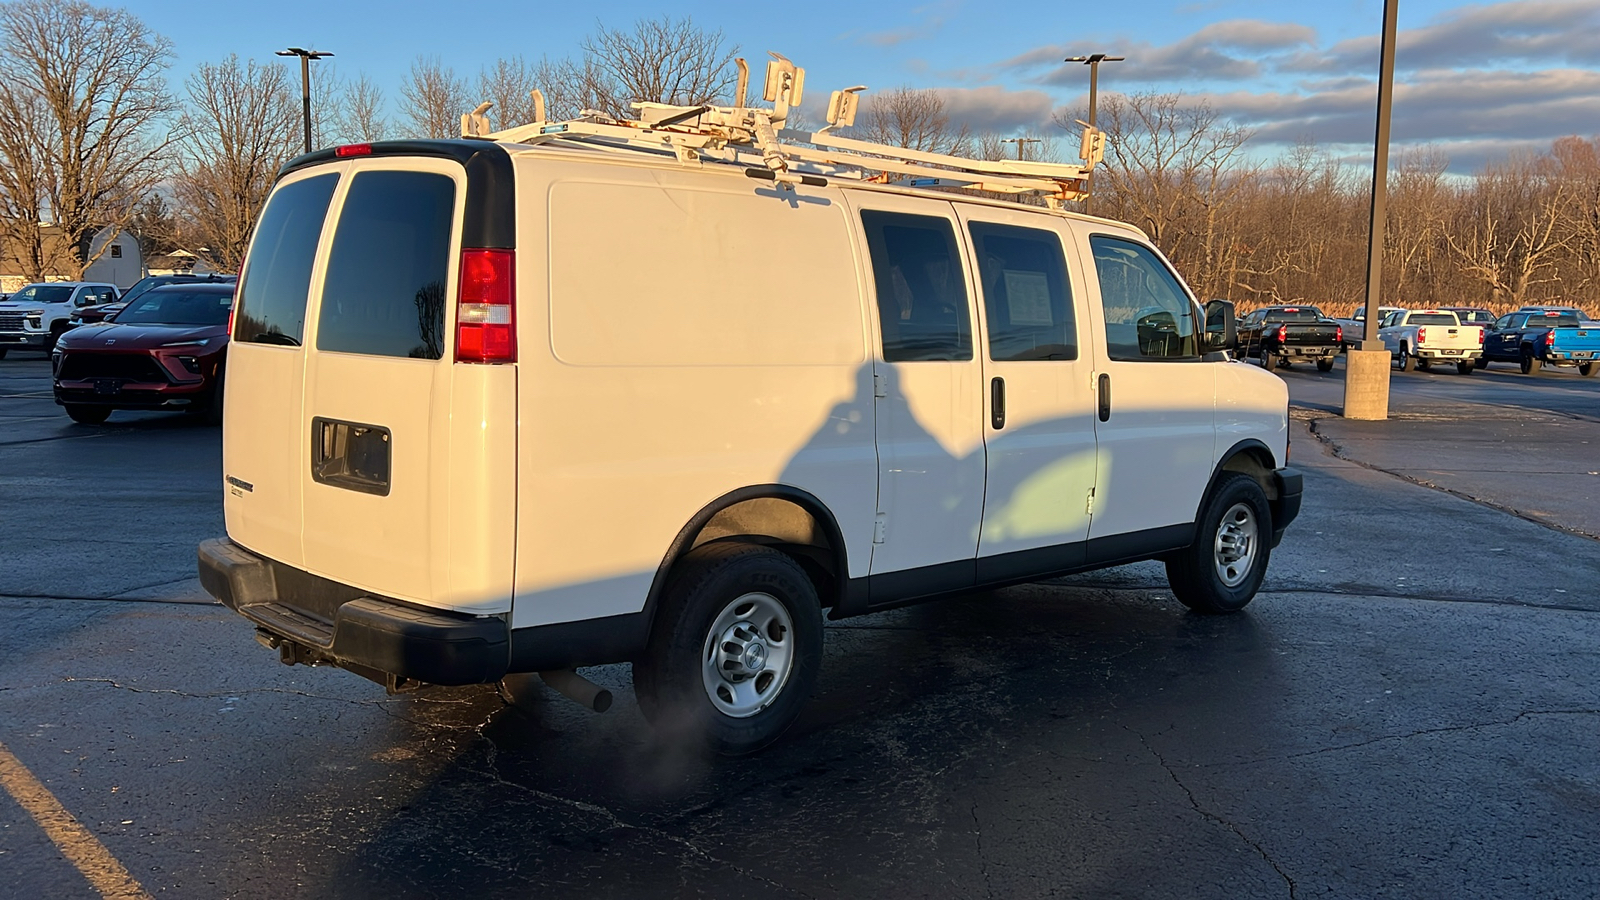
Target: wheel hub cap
[
  {"x": 1234, "y": 550},
  {"x": 748, "y": 655}
]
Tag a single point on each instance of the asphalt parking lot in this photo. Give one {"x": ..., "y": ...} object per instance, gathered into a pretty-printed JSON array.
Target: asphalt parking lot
[{"x": 1411, "y": 708}]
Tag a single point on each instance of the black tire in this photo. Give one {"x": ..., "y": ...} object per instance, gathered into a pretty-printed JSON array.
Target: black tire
[
  {"x": 1587, "y": 369},
  {"x": 51, "y": 339},
  {"x": 1466, "y": 367},
  {"x": 1423, "y": 365},
  {"x": 88, "y": 413},
  {"x": 1483, "y": 363},
  {"x": 1530, "y": 364},
  {"x": 1195, "y": 572},
  {"x": 1265, "y": 359},
  {"x": 1407, "y": 361},
  {"x": 1325, "y": 364},
  {"x": 3, "y": 351},
  {"x": 706, "y": 586}
]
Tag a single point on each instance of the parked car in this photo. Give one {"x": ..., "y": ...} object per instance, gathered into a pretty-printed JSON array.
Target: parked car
[
  {"x": 1472, "y": 315},
  {"x": 37, "y": 315},
  {"x": 88, "y": 315},
  {"x": 1280, "y": 335},
  {"x": 1355, "y": 327},
  {"x": 1539, "y": 336},
  {"x": 560, "y": 413},
  {"x": 1420, "y": 337},
  {"x": 167, "y": 350}
]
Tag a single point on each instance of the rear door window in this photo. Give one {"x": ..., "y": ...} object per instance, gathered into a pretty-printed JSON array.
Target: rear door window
[
  {"x": 384, "y": 293},
  {"x": 922, "y": 291},
  {"x": 277, "y": 276}
]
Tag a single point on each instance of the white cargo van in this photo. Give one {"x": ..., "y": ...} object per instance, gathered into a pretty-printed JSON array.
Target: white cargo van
[{"x": 509, "y": 406}]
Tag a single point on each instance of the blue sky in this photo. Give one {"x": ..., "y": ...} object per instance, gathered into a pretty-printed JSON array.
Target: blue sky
[{"x": 1476, "y": 80}]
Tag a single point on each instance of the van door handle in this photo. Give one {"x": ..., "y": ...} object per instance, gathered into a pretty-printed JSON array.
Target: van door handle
[
  {"x": 997, "y": 403},
  {"x": 1105, "y": 396}
]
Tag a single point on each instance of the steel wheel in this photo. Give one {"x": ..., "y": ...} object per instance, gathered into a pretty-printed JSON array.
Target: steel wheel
[
  {"x": 1234, "y": 550},
  {"x": 748, "y": 655}
]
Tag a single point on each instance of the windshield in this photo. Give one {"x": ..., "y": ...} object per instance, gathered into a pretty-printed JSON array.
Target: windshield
[
  {"x": 142, "y": 285},
  {"x": 178, "y": 307},
  {"x": 1295, "y": 314},
  {"x": 44, "y": 293}
]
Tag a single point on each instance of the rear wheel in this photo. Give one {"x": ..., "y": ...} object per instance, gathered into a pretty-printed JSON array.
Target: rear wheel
[
  {"x": 735, "y": 649},
  {"x": 1325, "y": 365},
  {"x": 88, "y": 413},
  {"x": 1222, "y": 570},
  {"x": 1586, "y": 369},
  {"x": 1466, "y": 366},
  {"x": 1530, "y": 364},
  {"x": 1267, "y": 361},
  {"x": 1407, "y": 361},
  {"x": 3, "y": 352},
  {"x": 1483, "y": 362}
]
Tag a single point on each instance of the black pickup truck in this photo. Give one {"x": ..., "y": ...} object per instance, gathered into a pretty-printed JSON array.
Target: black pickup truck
[{"x": 1278, "y": 335}]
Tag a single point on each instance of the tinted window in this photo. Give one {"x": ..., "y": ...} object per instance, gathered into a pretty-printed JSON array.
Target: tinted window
[
  {"x": 922, "y": 297},
  {"x": 277, "y": 276},
  {"x": 1433, "y": 319},
  {"x": 1148, "y": 314},
  {"x": 1558, "y": 320},
  {"x": 178, "y": 307},
  {"x": 385, "y": 288},
  {"x": 44, "y": 293},
  {"x": 1025, "y": 293},
  {"x": 1299, "y": 314}
]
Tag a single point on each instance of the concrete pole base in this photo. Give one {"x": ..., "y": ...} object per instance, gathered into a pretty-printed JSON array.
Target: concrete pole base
[{"x": 1366, "y": 384}]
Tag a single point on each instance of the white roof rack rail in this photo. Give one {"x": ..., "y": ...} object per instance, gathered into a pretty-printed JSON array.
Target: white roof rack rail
[{"x": 754, "y": 137}]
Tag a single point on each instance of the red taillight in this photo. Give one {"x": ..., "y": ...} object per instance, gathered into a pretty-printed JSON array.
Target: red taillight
[
  {"x": 1338, "y": 334},
  {"x": 1480, "y": 335},
  {"x": 353, "y": 150},
  {"x": 1422, "y": 335},
  {"x": 1549, "y": 338},
  {"x": 1283, "y": 333},
  {"x": 486, "y": 320}
]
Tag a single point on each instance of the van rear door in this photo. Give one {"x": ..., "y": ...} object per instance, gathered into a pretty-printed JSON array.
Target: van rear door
[{"x": 408, "y": 458}]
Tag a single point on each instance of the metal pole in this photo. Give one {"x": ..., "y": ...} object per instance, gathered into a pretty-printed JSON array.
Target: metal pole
[
  {"x": 1380, "y": 179},
  {"x": 1094, "y": 84},
  {"x": 305, "y": 94}
]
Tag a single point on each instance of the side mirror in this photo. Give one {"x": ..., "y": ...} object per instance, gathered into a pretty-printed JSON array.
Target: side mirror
[{"x": 1222, "y": 331}]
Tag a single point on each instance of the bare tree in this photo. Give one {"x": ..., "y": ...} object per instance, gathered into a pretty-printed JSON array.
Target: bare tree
[
  {"x": 84, "y": 89},
  {"x": 1508, "y": 235},
  {"x": 662, "y": 60},
  {"x": 154, "y": 226},
  {"x": 359, "y": 111},
  {"x": 1577, "y": 165},
  {"x": 435, "y": 99},
  {"x": 509, "y": 85},
  {"x": 242, "y": 124},
  {"x": 912, "y": 118}
]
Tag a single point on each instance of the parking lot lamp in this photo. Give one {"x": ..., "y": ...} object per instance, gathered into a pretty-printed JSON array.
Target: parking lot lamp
[
  {"x": 306, "y": 56},
  {"x": 1093, "y": 61},
  {"x": 1366, "y": 375}
]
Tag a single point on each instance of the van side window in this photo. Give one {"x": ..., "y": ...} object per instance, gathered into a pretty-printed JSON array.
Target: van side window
[
  {"x": 1148, "y": 314},
  {"x": 922, "y": 293},
  {"x": 1024, "y": 277},
  {"x": 277, "y": 275},
  {"x": 385, "y": 289}
]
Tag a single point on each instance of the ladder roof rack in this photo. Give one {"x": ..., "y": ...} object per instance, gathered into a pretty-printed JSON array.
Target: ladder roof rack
[{"x": 754, "y": 137}]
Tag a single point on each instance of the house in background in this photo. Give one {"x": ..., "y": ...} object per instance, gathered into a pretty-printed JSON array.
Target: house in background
[
  {"x": 121, "y": 263},
  {"x": 180, "y": 262}
]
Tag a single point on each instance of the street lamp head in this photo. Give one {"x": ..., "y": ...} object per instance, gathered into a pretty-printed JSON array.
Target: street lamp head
[
  {"x": 1094, "y": 58},
  {"x": 308, "y": 54}
]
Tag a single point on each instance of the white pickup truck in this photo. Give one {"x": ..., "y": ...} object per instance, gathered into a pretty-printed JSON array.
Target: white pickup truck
[{"x": 1416, "y": 338}]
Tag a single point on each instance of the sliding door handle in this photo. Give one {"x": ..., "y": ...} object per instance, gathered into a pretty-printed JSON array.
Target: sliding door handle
[
  {"x": 1105, "y": 396},
  {"x": 997, "y": 403}
]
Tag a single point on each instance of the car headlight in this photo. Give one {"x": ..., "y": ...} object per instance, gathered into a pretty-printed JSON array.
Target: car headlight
[{"x": 200, "y": 343}]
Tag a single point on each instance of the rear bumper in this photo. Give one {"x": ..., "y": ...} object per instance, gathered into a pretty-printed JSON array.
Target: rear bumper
[
  {"x": 1433, "y": 353},
  {"x": 1286, "y": 506},
  {"x": 1310, "y": 351},
  {"x": 371, "y": 633}
]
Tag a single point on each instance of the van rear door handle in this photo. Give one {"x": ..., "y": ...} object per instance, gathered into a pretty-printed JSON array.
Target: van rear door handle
[
  {"x": 997, "y": 403},
  {"x": 1105, "y": 396}
]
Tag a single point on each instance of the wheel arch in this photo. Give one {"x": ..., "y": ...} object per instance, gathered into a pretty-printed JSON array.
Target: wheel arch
[
  {"x": 789, "y": 518},
  {"x": 1250, "y": 456}
]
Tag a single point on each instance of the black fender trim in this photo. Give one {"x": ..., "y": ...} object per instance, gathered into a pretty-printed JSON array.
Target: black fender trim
[
  {"x": 1286, "y": 506},
  {"x": 1247, "y": 444}
]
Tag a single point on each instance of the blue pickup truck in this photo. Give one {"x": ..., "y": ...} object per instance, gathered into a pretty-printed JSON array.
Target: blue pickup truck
[{"x": 1539, "y": 336}]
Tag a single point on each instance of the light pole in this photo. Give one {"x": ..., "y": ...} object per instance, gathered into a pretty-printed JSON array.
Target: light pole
[
  {"x": 306, "y": 56},
  {"x": 1022, "y": 142},
  {"x": 1366, "y": 374},
  {"x": 1093, "y": 61}
]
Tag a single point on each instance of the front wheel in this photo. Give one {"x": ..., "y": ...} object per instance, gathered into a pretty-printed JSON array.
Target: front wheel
[
  {"x": 1466, "y": 366},
  {"x": 1325, "y": 365},
  {"x": 1222, "y": 570},
  {"x": 735, "y": 649},
  {"x": 88, "y": 413}
]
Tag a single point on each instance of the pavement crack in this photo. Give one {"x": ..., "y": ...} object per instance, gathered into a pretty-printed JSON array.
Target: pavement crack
[
  {"x": 1421, "y": 732},
  {"x": 1213, "y": 817},
  {"x": 1337, "y": 450},
  {"x": 983, "y": 861},
  {"x": 11, "y": 595}
]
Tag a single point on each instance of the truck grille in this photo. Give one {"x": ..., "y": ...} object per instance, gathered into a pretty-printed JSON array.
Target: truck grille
[
  {"x": 132, "y": 366},
  {"x": 11, "y": 321}
]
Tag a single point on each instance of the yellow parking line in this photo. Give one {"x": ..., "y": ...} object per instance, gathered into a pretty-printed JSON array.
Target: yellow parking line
[{"x": 80, "y": 847}]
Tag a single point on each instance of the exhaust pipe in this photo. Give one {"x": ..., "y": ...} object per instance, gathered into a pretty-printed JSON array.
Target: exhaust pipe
[{"x": 578, "y": 689}]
